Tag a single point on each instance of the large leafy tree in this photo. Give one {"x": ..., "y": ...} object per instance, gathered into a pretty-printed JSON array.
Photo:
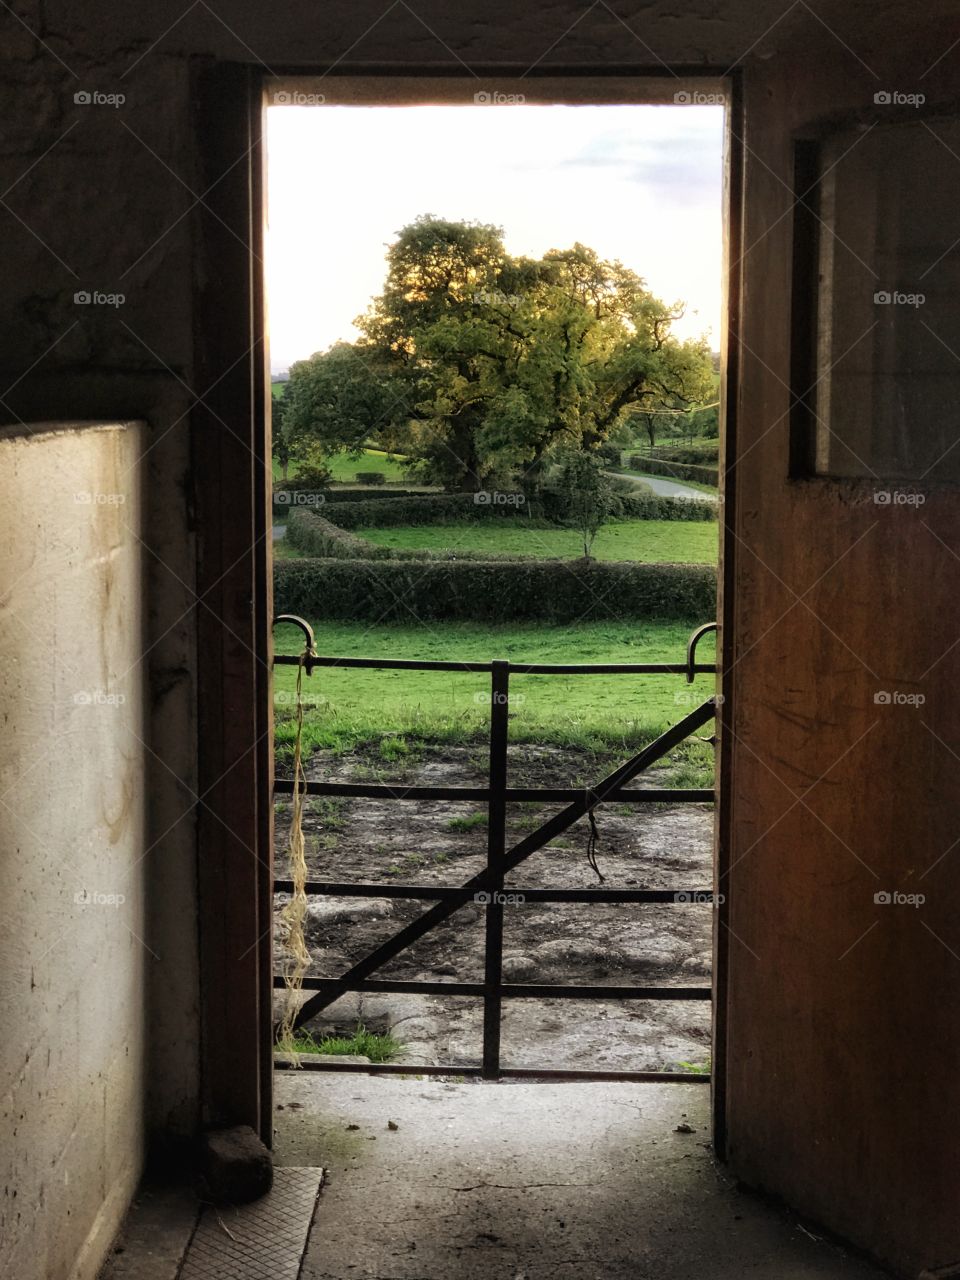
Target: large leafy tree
[
  {"x": 480, "y": 365},
  {"x": 336, "y": 399}
]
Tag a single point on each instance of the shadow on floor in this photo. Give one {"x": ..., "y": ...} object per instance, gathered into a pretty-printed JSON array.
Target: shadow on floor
[{"x": 438, "y": 1180}]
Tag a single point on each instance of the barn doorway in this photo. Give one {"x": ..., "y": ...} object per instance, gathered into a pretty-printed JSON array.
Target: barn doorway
[{"x": 495, "y": 515}]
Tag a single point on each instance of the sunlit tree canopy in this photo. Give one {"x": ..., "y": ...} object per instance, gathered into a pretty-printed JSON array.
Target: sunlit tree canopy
[{"x": 480, "y": 366}]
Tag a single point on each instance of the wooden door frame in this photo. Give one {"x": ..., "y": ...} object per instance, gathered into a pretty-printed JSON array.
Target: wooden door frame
[
  {"x": 230, "y": 433},
  {"x": 231, "y": 489}
]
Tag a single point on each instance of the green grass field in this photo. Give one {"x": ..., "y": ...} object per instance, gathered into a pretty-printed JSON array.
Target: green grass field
[
  {"x": 347, "y": 707},
  {"x": 344, "y": 467},
  {"x": 663, "y": 541}
]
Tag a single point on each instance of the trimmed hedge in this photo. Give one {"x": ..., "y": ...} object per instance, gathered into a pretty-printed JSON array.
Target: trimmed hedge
[
  {"x": 294, "y": 485},
  {"x": 493, "y": 591},
  {"x": 365, "y": 495},
  {"x": 422, "y": 508},
  {"x": 447, "y": 508},
  {"x": 310, "y": 496},
  {"x": 675, "y": 470},
  {"x": 410, "y": 507},
  {"x": 371, "y": 477},
  {"x": 311, "y": 533},
  {"x": 651, "y": 506},
  {"x": 697, "y": 455}
]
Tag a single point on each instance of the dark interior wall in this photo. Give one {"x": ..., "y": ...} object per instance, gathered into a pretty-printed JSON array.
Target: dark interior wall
[
  {"x": 83, "y": 201},
  {"x": 838, "y": 1068},
  {"x": 842, "y": 1041}
]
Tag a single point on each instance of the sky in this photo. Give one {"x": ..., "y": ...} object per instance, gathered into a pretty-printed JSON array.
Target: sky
[{"x": 638, "y": 183}]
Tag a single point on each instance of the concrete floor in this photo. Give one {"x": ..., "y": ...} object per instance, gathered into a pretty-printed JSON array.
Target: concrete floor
[{"x": 530, "y": 1182}]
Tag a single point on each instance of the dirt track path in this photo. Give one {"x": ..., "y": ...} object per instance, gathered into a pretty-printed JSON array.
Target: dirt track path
[
  {"x": 414, "y": 842},
  {"x": 666, "y": 488}
]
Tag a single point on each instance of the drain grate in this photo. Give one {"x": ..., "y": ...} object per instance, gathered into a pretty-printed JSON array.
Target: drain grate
[{"x": 260, "y": 1241}]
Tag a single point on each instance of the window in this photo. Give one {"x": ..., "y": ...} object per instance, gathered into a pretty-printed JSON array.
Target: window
[{"x": 877, "y": 302}]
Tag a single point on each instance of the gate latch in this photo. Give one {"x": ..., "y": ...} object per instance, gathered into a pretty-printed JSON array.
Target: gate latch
[
  {"x": 692, "y": 648},
  {"x": 308, "y": 636}
]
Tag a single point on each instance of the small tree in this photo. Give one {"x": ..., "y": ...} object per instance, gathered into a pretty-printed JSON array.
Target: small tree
[
  {"x": 586, "y": 495},
  {"x": 708, "y": 423},
  {"x": 654, "y": 424},
  {"x": 313, "y": 470},
  {"x": 689, "y": 426}
]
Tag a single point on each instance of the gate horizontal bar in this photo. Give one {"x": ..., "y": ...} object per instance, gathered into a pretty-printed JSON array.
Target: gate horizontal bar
[
  {"x": 509, "y": 990},
  {"x": 397, "y": 791},
  {"x": 328, "y": 1062},
  {"x": 644, "y": 1077},
  {"x": 516, "y": 668},
  {"x": 446, "y": 893},
  {"x": 388, "y": 986},
  {"x": 550, "y": 991},
  {"x": 316, "y": 1062}
]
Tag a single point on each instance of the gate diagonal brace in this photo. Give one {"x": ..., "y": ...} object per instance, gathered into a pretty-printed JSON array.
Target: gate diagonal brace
[{"x": 552, "y": 828}]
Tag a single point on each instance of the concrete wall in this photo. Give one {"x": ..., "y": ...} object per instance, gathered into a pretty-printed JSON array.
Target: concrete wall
[
  {"x": 73, "y": 948},
  {"x": 841, "y": 1069}
]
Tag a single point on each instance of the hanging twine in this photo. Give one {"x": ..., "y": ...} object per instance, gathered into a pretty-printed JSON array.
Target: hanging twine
[
  {"x": 294, "y": 914},
  {"x": 592, "y": 841}
]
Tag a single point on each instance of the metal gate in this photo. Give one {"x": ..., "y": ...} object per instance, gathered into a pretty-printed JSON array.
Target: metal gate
[{"x": 487, "y": 887}]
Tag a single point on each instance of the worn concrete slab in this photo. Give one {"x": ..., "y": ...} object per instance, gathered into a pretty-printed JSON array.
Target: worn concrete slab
[
  {"x": 530, "y": 1182},
  {"x": 263, "y": 1240}
]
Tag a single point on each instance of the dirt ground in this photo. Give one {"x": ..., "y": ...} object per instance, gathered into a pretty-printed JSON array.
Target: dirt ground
[{"x": 643, "y": 846}]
